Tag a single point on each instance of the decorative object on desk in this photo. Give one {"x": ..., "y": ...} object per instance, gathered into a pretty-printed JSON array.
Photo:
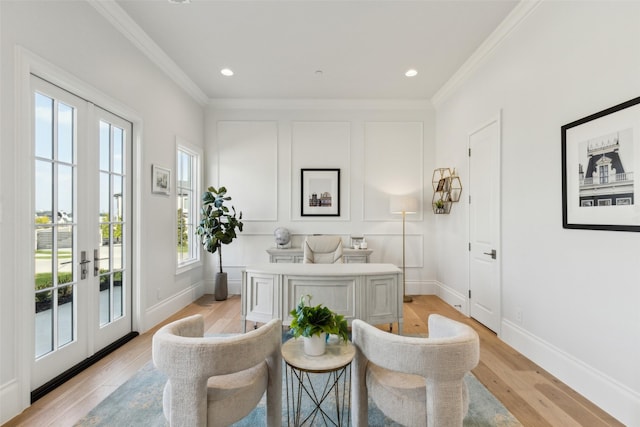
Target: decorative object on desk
[
  {"x": 160, "y": 180},
  {"x": 320, "y": 192},
  {"x": 314, "y": 323},
  {"x": 363, "y": 244},
  {"x": 403, "y": 205},
  {"x": 283, "y": 238},
  {"x": 218, "y": 227},
  {"x": 447, "y": 189},
  {"x": 599, "y": 184}
]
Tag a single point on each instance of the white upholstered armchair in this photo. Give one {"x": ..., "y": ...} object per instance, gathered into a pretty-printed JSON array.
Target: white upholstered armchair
[
  {"x": 414, "y": 381},
  {"x": 216, "y": 381},
  {"x": 322, "y": 250}
]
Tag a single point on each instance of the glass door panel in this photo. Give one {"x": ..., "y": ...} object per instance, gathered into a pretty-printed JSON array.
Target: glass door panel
[
  {"x": 54, "y": 229},
  {"x": 113, "y": 214}
]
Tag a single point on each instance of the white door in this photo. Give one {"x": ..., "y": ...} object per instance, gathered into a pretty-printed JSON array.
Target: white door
[
  {"x": 82, "y": 292},
  {"x": 484, "y": 225}
]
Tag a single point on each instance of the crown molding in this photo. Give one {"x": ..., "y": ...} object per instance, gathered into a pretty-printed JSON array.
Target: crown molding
[
  {"x": 117, "y": 17},
  {"x": 471, "y": 65},
  {"x": 320, "y": 104}
]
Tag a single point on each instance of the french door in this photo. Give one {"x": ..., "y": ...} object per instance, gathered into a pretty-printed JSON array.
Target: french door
[{"x": 82, "y": 210}]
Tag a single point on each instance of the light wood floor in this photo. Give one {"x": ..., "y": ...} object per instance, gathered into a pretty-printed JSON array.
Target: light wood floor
[{"x": 532, "y": 395}]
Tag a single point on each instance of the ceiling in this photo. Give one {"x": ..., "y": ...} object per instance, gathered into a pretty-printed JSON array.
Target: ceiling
[{"x": 317, "y": 49}]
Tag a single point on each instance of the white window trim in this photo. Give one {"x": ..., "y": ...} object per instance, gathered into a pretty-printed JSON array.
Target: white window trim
[{"x": 183, "y": 145}]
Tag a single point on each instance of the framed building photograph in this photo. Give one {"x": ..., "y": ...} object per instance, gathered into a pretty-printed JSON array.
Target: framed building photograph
[
  {"x": 320, "y": 192},
  {"x": 600, "y": 157},
  {"x": 160, "y": 180}
]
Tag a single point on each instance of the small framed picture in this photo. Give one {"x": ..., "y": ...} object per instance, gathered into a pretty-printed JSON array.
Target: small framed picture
[
  {"x": 320, "y": 192},
  {"x": 160, "y": 180}
]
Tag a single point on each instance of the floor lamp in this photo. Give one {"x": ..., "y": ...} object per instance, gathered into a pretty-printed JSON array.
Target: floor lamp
[{"x": 403, "y": 205}]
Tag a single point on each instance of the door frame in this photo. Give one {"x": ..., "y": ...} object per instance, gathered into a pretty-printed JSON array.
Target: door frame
[
  {"x": 28, "y": 63},
  {"x": 497, "y": 118}
]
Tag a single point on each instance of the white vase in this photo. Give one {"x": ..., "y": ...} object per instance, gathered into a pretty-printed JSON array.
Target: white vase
[{"x": 315, "y": 345}]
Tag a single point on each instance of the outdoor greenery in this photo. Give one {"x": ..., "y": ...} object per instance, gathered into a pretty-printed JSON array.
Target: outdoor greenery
[
  {"x": 104, "y": 229},
  {"x": 45, "y": 280},
  {"x": 313, "y": 320},
  {"x": 218, "y": 224},
  {"x": 183, "y": 234}
]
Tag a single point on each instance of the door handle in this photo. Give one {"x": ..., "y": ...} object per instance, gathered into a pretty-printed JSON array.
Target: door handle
[
  {"x": 493, "y": 254},
  {"x": 83, "y": 265}
]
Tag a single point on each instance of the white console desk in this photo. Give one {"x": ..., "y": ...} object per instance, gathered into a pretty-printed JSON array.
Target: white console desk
[
  {"x": 370, "y": 292},
  {"x": 296, "y": 255}
]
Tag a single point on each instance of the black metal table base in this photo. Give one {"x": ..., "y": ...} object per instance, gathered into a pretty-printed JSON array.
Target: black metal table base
[{"x": 302, "y": 384}]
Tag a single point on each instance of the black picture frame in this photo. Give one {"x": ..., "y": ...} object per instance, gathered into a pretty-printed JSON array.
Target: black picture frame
[
  {"x": 320, "y": 192},
  {"x": 600, "y": 154}
]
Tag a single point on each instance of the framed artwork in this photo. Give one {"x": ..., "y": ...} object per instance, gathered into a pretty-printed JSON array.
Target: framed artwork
[
  {"x": 320, "y": 192},
  {"x": 600, "y": 158},
  {"x": 160, "y": 180}
]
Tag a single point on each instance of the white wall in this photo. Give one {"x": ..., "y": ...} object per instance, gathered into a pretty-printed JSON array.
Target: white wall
[
  {"x": 324, "y": 134},
  {"x": 73, "y": 37},
  {"x": 578, "y": 290}
]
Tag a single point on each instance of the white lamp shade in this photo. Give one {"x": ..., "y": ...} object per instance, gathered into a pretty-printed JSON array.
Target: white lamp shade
[{"x": 403, "y": 204}]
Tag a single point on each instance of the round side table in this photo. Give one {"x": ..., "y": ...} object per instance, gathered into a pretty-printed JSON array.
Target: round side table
[{"x": 303, "y": 380}]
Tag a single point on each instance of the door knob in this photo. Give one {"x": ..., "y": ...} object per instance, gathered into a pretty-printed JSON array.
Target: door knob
[{"x": 493, "y": 253}]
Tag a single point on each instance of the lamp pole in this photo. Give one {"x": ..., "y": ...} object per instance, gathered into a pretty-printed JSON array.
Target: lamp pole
[{"x": 405, "y": 297}]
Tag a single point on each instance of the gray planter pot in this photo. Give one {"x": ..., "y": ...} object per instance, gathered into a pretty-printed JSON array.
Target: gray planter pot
[{"x": 220, "y": 288}]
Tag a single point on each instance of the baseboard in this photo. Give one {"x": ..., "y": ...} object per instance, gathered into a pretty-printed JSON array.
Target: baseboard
[
  {"x": 607, "y": 393},
  {"x": 455, "y": 299},
  {"x": 421, "y": 288},
  {"x": 165, "y": 308},
  {"x": 11, "y": 403}
]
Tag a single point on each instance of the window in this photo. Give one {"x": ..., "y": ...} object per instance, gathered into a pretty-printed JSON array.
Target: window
[{"x": 187, "y": 191}]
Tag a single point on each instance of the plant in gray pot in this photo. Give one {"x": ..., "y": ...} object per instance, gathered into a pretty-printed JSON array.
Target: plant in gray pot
[{"x": 218, "y": 227}]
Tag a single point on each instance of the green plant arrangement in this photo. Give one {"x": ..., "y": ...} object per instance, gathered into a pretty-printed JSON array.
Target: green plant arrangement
[
  {"x": 218, "y": 226},
  {"x": 313, "y": 320}
]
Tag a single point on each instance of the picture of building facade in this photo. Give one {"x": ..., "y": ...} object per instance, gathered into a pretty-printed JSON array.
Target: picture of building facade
[{"x": 605, "y": 181}]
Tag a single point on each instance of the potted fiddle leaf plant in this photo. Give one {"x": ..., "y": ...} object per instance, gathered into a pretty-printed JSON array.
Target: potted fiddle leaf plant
[
  {"x": 314, "y": 324},
  {"x": 218, "y": 226}
]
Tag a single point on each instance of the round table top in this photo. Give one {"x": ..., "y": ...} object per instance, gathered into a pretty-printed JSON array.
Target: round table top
[{"x": 337, "y": 355}]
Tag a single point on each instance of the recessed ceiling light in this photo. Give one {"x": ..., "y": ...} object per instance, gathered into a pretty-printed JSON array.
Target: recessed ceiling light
[
  {"x": 179, "y": 1},
  {"x": 411, "y": 73},
  {"x": 227, "y": 72}
]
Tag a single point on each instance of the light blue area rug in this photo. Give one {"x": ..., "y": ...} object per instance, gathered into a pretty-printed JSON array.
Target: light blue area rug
[{"x": 138, "y": 402}]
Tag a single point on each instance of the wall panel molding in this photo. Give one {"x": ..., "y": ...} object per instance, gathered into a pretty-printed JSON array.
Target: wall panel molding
[
  {"x": 248, "y": 167},
  {"x": 324, "y": 145},
  {"x": 393, "y": 165}
]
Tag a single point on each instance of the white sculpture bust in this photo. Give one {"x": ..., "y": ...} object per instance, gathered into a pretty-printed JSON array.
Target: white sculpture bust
[{"x": 283, "y": 237}]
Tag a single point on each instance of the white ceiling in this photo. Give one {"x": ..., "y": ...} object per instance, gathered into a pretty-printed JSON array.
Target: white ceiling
[{"x": 362, "y": 47}]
